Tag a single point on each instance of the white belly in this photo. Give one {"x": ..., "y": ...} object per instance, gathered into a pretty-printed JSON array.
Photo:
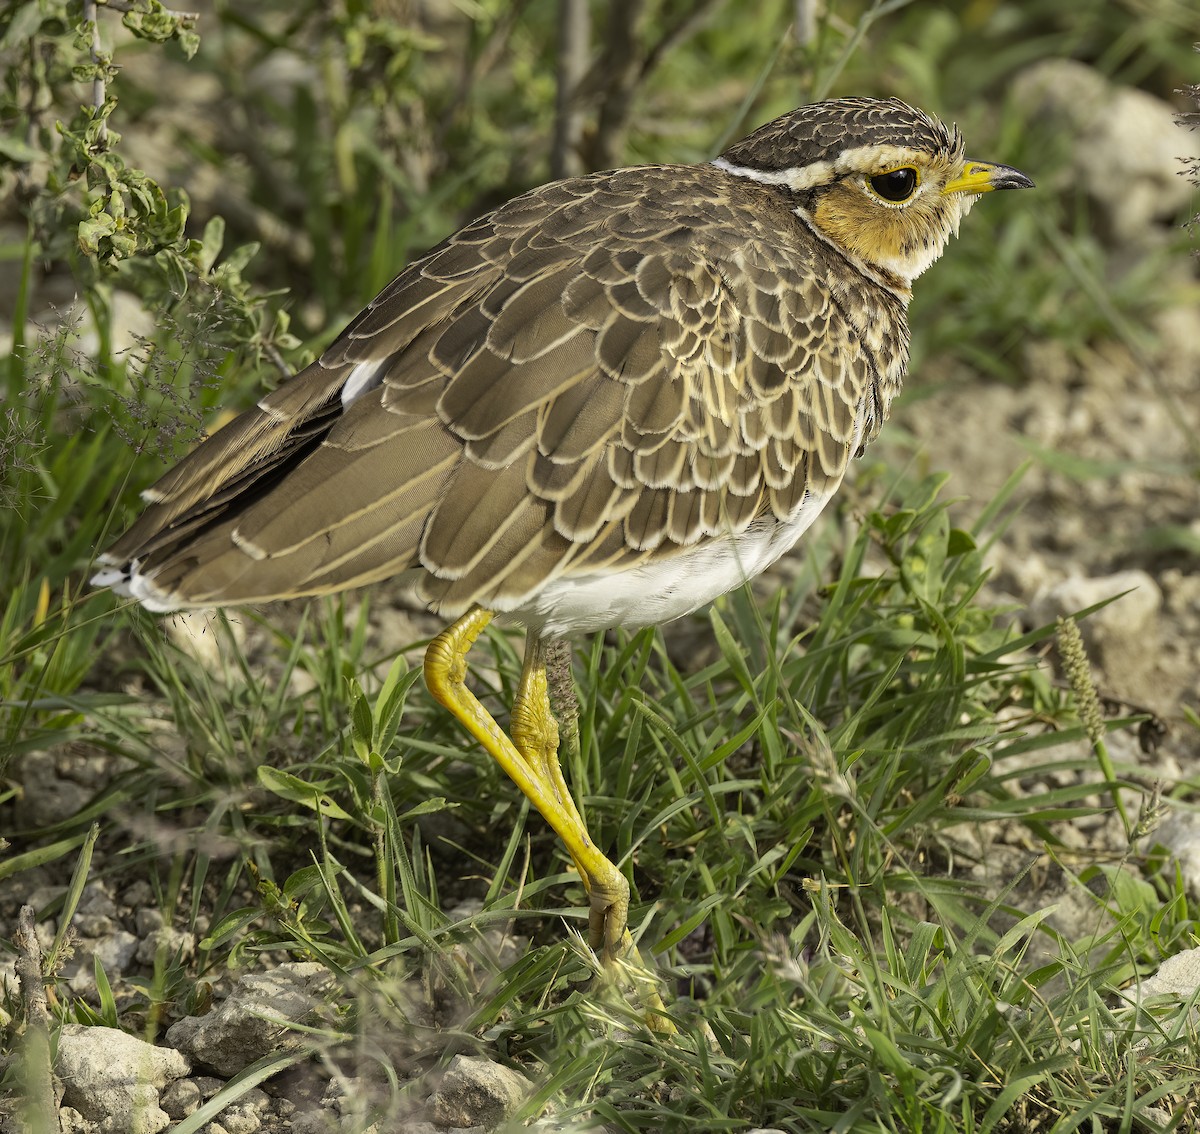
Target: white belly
[{"x": 658, "y": 591}]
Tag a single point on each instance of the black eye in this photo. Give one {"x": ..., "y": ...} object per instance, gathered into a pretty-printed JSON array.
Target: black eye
[{"x": 896, "y": 185}]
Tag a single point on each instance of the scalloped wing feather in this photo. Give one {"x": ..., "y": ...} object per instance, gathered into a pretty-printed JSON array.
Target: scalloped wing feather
[{"x": 543, "y": 395}]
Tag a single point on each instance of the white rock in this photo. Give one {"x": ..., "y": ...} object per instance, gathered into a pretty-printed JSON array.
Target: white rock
[
  {"x": 1123, "y": 638},
  {"x": 1177, "y": 976},
  {"x": 173, "y": 942},
  {"x": 50, "y": 797},
  {"x": 477, "y": 1092},
  {"x": 116, "y": 953},
  {"x": 96, "y": 910},
  {"x": 147, "y": 920},
  {"x": 114, "y": 1079},
  {"x": 1126, "y": 145},
  {"x": 253, "y": 1020},
  {"x": 1154, "y": 1118},
  {"x": 138, "y": 894},
  {"x": 1179, "y": 835},
  {"x": 1132, "y": 613},
  {"x": 243, "y": 1116},
  {"x": 70, "y": 1121},
  {"x": 181, "y": 1098}
]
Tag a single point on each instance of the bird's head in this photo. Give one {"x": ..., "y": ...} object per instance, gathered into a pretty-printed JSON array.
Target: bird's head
[{"x": 883, "y": 181}]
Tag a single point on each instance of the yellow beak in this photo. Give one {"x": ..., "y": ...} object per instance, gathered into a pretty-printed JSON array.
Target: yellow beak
[{"x": 983, "y": 177}]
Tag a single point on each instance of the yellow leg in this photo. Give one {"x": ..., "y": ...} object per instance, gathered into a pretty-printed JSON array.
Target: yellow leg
[
  {"x": 535, "y": 735},
  {"x": 530, "y": 759}
]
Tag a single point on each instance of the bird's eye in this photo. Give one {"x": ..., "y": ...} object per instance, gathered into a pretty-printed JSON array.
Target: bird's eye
[{"x": 895, "y": 185}]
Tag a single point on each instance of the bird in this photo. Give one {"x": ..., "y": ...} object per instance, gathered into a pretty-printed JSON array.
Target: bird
[{"x": 602, "y": 404}]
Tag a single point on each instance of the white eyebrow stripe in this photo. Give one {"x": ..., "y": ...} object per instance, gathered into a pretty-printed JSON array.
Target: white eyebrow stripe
[
  {"x": 761, "y": 175},
  {"x": 859, "y": 159},
  {"x": 795, "y": 178}
]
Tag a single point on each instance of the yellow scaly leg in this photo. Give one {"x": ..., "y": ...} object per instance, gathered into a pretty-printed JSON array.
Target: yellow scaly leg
[
  {"x": 535, "y": 734},
  {"x": 530, "y": 758},
  {"x": 532, "y": 764}
]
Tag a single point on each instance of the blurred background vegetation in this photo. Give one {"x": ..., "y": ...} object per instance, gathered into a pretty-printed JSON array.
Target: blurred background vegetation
[{"x": 193, "y": 204}]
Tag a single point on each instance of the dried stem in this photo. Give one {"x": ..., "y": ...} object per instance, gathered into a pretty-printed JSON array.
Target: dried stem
[
  {"x": 574, "y": 35},
  {"x": 625, "y": 65},
  {"x": 39, "y": 1081},
  {"x": 621, "y": 66},
  {"x": 278, "y": 361},
  {"x": 805, "y": 22},
  {"x": 99, "y": 86}
]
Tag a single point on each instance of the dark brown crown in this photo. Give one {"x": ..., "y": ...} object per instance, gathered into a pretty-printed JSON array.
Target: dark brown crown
[{"x": 821, "y": 131}]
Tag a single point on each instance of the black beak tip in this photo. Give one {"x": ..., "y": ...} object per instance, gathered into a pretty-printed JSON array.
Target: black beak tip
[{"x": 1006, "y": 177}]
